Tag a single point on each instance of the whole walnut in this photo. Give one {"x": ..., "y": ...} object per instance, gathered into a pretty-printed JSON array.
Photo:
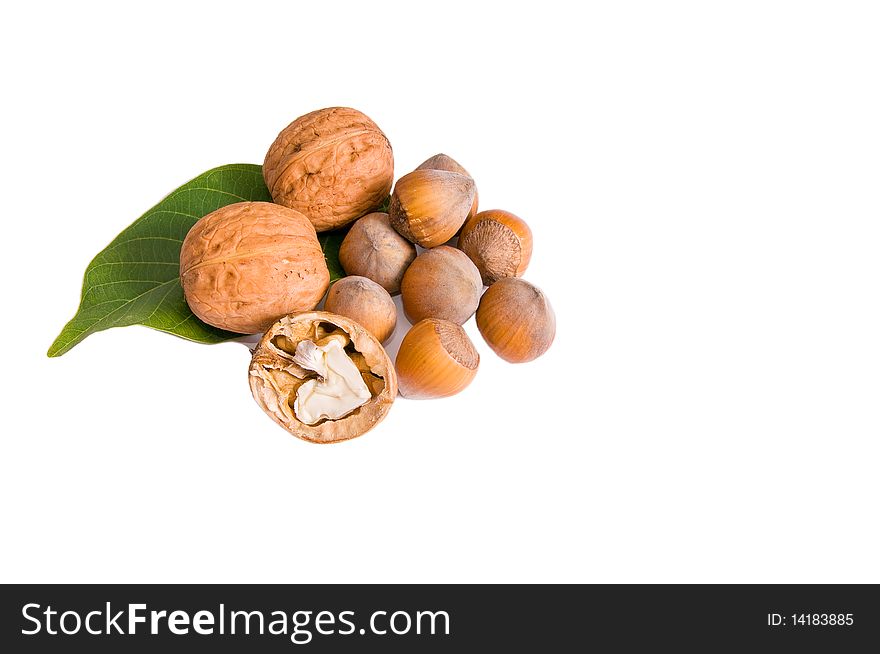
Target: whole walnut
[
  {"x": 333, "y": 165},
  {"x": 246, "y": 264}
]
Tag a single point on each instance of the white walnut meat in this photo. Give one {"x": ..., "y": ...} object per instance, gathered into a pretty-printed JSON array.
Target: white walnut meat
[
  {"x": 336, "y": 391},
  {"x": 334, "y": 165},
  {"x": 322, "y": 377}
]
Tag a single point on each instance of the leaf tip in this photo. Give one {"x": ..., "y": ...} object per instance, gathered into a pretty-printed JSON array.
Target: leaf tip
[{"x": 59, "y": 347}]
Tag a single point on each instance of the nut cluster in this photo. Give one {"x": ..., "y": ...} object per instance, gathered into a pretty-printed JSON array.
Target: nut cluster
[{"x": 258, "y": 267}]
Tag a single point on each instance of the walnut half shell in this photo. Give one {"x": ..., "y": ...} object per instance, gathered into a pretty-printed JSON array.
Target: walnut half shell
[{"x": 277, "y": 374}]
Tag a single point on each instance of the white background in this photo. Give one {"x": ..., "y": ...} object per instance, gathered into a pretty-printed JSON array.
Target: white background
[{"x": 702, "y": 183}]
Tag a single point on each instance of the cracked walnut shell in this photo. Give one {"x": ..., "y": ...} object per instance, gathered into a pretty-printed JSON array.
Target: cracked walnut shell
[
  {"x": 333, "y": 165},
  {"x": 280, "y": 375},
  {"x": 245, "y": 264}
]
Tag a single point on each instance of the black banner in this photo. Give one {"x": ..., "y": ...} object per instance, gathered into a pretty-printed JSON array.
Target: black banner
[{"x": 420, "y": 618}]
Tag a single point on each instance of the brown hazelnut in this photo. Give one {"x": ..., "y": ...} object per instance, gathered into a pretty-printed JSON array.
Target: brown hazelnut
[
  {"x": 445, "y": 162},
  {"x": 322, "y": 377},
  {"x": 365, "y": 302},
  {"x": 498, "y": 242},
  {"x": 441, "y": 283},
  {"x": 333, "y": 165},
  {"x": 516, "y": 320},
  {"x": 245, "y": 264},
  {"x": 436, "y": 359},
  {"x": 428, "y": 206},
  {"x": 373, "y": 249}
]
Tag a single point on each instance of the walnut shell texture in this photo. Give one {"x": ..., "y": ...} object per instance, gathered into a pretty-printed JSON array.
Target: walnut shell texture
[
  {"x": 274, "y": 377},
  {"x": 246, "y": 264},
  {"x": 333, "y": 165}
]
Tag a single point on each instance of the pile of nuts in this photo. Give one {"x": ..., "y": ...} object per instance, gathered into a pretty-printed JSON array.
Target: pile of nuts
[{"x": 258, "y": 267}]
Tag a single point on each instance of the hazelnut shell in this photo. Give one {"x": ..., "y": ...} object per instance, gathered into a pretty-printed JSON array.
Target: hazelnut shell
[
  {"x": 373, "y": 249},
  {"x": 273, "y": 380},
  {"x": 365, "y": 302},
  {"x": 436, "y": 359},
  {"x": 245, "y": 264},
  {"x": 333, "y": 165},
  {"x": 429, "y": 206},
  {"x": 516, "y": 320},
  {"x": 445, "y": 162},
  {"x": 441, "y": 283},
  {"x": 498, "y": 242}
]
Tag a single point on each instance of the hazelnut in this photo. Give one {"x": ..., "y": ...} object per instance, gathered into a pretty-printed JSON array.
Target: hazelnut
[
  {"x": 373, "y": 249},
  {"x": 498, "y": 242},
  {"x": 436, "y": 359},
  {"x": 333, "y": 165},
  {"x": 247, "y": 263},
  {"x": 445, "y": 162},
  {"x": 428, "y": 206},
  {"x": 365, "y": 302},
  {"x": 441, "y": 283},
  {"x": 516, "y": 320},
  {"x": 322, "y": 377}
]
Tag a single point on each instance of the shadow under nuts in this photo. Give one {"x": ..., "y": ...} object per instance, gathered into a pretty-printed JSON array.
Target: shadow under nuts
[
  {"x": 445, "y": 162},
  {"x": 516, "y": 320},
  {"x": 247, "y": 263},
  {"x": 429, "y": 206},
  {"x": 322, "y": 377},
  {"x": 365, "y": 302},
  {"x": 373, "y": 249},
  {"x": 436, "y": 359},
  {"x": 333, "y": 165},
  {"x": 441, "y": 283},
  {"x": 498, "y": 242}
]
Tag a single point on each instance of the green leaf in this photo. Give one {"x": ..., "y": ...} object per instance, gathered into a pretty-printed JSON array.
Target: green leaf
[
  {"x": 135, "y": 280},
  {"x": 330, "y": 242}
]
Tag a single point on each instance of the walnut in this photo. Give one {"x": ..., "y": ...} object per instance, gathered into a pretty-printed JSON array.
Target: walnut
[
  {"x": 246, "y": 264},
  {"x": 333, "y": 165},
  {"x": 322, "y": 377}
]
